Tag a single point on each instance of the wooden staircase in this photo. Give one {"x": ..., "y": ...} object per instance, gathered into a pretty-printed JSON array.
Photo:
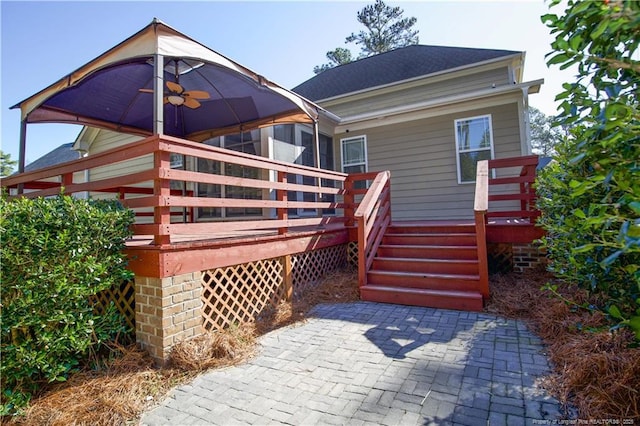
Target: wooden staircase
[
  {"x": 432, "y": 264},
  {"x": 439, "y": 264}
]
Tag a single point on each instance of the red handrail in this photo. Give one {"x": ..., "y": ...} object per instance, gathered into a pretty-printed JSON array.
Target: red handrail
[{"x": 372, "y": 217}]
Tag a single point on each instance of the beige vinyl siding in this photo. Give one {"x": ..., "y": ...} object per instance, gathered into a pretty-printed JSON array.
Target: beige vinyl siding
[
  {"x": 421, "y": 156},
  {"x": 106, "y": 140},
  {"x": 417, "y": 93}
]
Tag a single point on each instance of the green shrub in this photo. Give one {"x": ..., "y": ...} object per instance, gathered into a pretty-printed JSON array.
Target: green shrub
[
  {"x": 55, "y": 253},
  {"x": 590, "y": 198}
]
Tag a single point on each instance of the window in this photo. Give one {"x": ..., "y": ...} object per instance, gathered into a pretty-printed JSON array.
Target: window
[
  {"x": 354, "y": 154},
  {"x": 177, "y": 161},
  {"x": 474, "y": 142},
  {"x": 248, "y": 142}
]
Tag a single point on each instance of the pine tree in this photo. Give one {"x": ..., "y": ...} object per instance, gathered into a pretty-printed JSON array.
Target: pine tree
[{"x": 386, "y": 30}]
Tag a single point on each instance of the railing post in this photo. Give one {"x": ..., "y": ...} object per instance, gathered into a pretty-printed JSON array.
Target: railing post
[
  {"x": 362, "y": 252},
  {"x": 481, "y": 205},
  {"x": 481, "y": 241},
  {"x": 283, "y": 197},
  {"x": 67, "y": 179},
  {"x": 287, "y": 276},
  {"x": 349, "y": 201},
  {"x": 161, "y": 189}
]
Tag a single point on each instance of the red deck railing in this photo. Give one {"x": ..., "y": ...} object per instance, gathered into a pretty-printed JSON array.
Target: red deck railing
[
  {"x": 154, "y": 196},
  {"x": 373, "y": 216},
  {"x": 517, "y": 189}
]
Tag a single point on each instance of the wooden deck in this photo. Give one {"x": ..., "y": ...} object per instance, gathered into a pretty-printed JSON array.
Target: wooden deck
[
  {"x": 344, "y": 213},
  {"x": 191, "y": 253}
]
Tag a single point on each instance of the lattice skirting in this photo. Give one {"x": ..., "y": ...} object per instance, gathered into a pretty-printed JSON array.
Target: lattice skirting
[
  {"x": 500, "y": 258},
  {"x": 123, "y": 297},
  {"x": 352, "y": 253},
  {"x": 238, "y": 294},
  {"x": 307, "y": 268}
]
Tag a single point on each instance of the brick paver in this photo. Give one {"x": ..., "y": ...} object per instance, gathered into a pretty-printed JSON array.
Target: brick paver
[{"x": 368, "y": 363}]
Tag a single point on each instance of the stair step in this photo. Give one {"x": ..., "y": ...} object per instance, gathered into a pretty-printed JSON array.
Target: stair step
[
  {"x": 458, "y": 300},
  {"x": 429, "y": 228},
  {"x": 454, "y": 239},
  {"x": 425, "y": 281},
  {"x": 428, "y": 251},
  {"x": 441, "y": 266}
]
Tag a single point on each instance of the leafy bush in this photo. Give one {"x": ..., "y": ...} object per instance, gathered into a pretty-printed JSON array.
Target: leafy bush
[
  {"x": 590, "y": 198},
  {"x": 56, "y": 254}
]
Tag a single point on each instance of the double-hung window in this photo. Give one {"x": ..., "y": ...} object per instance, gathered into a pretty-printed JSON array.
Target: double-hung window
[
  {"x": 474, "y": 142},
  {"x": 354, "y": 154}
]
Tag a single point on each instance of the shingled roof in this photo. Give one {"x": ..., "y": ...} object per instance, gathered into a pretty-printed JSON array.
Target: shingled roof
[
  {"x": 396, "y": 65},
  {"x": 61, "y": 154}
]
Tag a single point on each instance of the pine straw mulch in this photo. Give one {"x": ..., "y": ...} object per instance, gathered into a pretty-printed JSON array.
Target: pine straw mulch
[
  {"x": 131, "y": 383},
  {"x": 595, "y": 370}
]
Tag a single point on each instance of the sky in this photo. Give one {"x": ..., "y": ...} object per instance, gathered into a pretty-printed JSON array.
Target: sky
[{"x": 42, "y": 41}]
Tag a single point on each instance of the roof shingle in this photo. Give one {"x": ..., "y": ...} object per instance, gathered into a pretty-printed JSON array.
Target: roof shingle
[
  {"x": 389, "y": 67},
  {"x": 61, "y": 154}
]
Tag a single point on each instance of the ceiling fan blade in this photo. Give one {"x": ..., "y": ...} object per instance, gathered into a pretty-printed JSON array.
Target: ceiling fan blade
[
  {"x": 165, "y": 100},
  {"x": 145, "y": 90},
  {"x": 191, "y": 103},
  {"x": 175, "y": 87},
  {"x": 196, "y": 94}
]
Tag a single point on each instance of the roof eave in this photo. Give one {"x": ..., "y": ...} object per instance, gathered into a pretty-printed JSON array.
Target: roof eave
[
  {"x": 506, "y": 58},
  {"x": 530, "y": 87}
]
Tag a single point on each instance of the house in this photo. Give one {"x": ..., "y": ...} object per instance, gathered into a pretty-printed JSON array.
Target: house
[
  {"x": 427, "y": 114},
  {"x": 246, "y": 193}
]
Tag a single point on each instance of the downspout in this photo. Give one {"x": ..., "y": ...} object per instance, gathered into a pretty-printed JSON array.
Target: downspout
[{"x": 526, "y": 149}]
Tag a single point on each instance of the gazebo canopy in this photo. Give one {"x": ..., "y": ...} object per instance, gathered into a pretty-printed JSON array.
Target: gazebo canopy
[{"x": 204, "y": 94}]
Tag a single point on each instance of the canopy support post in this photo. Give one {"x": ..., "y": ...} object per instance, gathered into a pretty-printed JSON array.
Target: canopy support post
[
  {"x": 158, "y": 94},
  {"x": 316, "y": 140},
  {"x": 22, "y": 152}
]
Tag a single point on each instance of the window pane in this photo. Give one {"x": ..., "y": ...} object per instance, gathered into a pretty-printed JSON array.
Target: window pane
[
  {"x": 308, "y": 157},
  {"x": 326, "y": 152},
  {"x": 353, "y": 151},
  {"x": 468, "y": 164},
  {"x": 209, "y": 190},
  {"x": 284, "y": 133},
  {"x": 354, "y": 169},
  {"x": 474, "y": 134}
]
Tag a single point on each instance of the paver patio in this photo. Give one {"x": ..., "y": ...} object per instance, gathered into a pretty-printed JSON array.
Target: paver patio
[{"x": 369, "y": 363}]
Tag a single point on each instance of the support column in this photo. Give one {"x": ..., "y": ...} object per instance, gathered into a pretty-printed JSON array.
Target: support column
[
  {"x": 287, "y": 278},
  {"x": 158, "y": 95},
  {"x": 168, "y": 310},
  {"x": 528, "y": 257},
  {"x": 22, "y": 152}
]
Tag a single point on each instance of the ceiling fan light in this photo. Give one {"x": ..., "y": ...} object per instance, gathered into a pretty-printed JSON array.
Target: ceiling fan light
[{"x": 175, "y": 100}]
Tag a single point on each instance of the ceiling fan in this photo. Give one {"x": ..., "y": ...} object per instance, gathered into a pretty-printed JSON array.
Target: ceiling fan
[{"x": 178, "y": 96}]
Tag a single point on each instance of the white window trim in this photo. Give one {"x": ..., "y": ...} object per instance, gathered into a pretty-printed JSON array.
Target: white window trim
[
  {"x": 459, "y": 151},
  {"x": 366, "y": 156}
]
